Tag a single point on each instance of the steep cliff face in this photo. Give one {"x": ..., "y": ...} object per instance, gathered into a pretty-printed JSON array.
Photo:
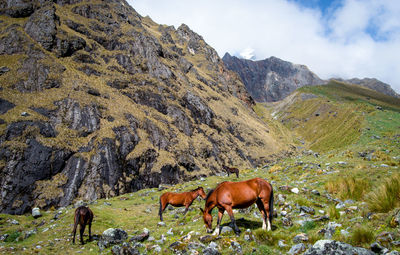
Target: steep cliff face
[
  {"x": 97, "y": 101},
  {"x": 271, "y": 79}
]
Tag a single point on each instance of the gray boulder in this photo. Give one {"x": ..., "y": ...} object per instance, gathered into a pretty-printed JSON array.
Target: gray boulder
[
  {"x": 112, "y": 236},
  {"x": 331, "y": 247},
  {"x": 297, "y": 249},
  {"x": 36, "y": 213}
]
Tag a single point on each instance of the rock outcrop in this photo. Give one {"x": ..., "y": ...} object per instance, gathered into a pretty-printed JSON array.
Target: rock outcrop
[
  {"x": 97, "y": 101},
  {"x": 271, "y": 79}
]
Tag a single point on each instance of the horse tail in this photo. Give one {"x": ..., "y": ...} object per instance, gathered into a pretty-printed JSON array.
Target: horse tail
[
  {"x": 160, "y": 210},
  {"x": 76, "y": 220},
  {"x": 271, "y": 205}
]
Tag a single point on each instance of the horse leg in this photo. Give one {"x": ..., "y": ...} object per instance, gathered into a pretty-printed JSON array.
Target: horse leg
[
  {"x": 186, "y": 209},
  {"x": 266, "y": 209},
  {"x": 162, "y": 208},
  {"x": 90, "y": 230},
  {"x": 235, "y": 227},
  {"x": 82, "y": 229},
  {"x": 237, "y": 174},
  {"x": 217, "y": 230},
  {"x": 260, "y": 206}
]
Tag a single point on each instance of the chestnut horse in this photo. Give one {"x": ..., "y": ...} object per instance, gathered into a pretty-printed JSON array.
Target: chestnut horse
[
  {"x": 231, "y": 170},
  {"x": 179, "y": 199},
  {"x": 229, "y": 195},
  {"x": 83, "y": 217}
]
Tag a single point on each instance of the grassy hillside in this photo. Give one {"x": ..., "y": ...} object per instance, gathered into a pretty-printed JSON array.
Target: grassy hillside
[
  {"x": 338, "y": 176},
  {"x": 353, "y": 186},
  {"x": 336, "y": 115}
]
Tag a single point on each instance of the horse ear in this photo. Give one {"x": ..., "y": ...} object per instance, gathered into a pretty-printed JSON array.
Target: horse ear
[{"x": 201, "y": 209}]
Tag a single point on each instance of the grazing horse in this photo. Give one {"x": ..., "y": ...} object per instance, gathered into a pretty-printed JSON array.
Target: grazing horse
[
  {"x": 231, "y": 170},
  {"x": 83, "y": 217},
  {"x": 229, "y": 195},
  {"x": 179, "y": 199}
]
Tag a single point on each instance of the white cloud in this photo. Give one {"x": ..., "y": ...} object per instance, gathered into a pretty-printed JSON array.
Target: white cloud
[
  {"x": 247, "y": 53},
  {"x": 331, "y": 46}
]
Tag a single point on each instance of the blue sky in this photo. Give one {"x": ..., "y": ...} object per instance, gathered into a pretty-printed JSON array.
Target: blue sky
[{"x": 339, "y": 38}]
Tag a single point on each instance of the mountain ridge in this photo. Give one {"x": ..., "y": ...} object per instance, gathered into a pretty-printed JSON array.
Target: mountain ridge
[{"x": 266, "y": 84}]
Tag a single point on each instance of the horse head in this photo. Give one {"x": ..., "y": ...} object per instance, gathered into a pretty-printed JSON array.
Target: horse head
[
  {"x": 202, "y": 193},
  {"x": 207, "y": 217}
]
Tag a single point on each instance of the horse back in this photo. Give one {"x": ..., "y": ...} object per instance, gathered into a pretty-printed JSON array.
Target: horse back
[
  {"x": 244, "y": 193},
  {"x": 175, "y": 199}
]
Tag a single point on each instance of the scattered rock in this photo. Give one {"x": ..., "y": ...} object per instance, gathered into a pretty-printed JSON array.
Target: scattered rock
[
  {"x": 107, "y": 203},
  {"x": 80, "y": 203},
  {"x": 161, "y": 224},
  {"x": 195, "y": 246},
  {"x": 295, "y": 190},
  {"x": 112, "y": 236},
  {"x": 281, "y": 243},
  {"x": 226, "y": 230},
  {"x": 384, "y": 239},
  {"x": 3, "y": 237},
  {"x": 323, "y": 247},
  {"x": 36, "y": 213},
  {"x": 287, "y": 221},
  {"x": 4, "y": 70},
  {"x": 178, "y": 247},
  {"x": 29, "y": 233},
  {"x": 300, "y": 238},
  {"x": 315, "y": 192},
  {"x": 297, "y": 249},
  {"x": 340, "y": 206},
  {"x": 212, "y": 249},
  {"x": 330, "y": 229},
  {"x": 206, "y": 238},
  {"x": 236, "y": 247},
  {"x": 13, "y": 221},
  {"x": 141, "y": 237},
  {"x": 308, "y": 210},
  {"x": 170, "y": 232}
]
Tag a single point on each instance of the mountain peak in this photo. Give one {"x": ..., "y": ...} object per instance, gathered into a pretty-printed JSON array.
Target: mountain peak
[{"x": 271, "y": 79}]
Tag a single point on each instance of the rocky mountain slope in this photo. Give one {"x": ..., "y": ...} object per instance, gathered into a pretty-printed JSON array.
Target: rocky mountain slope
[
  {"x": 97, "y": 101},
  {"x": 271, "y": 79}
]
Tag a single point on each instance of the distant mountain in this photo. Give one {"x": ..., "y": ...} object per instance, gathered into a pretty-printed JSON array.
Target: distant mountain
[
  {"x": 373, "y": 84},
  {"x": 274, "y": 79},
  {"x": 271, "y": 79}
]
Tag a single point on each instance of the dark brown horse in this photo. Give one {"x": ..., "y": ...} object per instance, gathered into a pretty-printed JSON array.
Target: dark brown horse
[
  {"x": 180, "y": 199},
  {"x": 231, "y": 170},
  {"x": 229, "y": 195},
  {"x": 83, "y": 217}
]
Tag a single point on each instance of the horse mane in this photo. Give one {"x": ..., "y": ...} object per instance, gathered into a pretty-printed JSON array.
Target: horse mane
[
  {"x": 209, "y": 194},
  {"x": 196, "y": 189}
]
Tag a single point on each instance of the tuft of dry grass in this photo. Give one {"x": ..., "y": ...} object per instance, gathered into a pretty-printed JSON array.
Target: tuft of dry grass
[
  {"x": 386, "y": 196},
  {"x": 348, "y": 187},
  {"x": 362, "y": 234}
]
